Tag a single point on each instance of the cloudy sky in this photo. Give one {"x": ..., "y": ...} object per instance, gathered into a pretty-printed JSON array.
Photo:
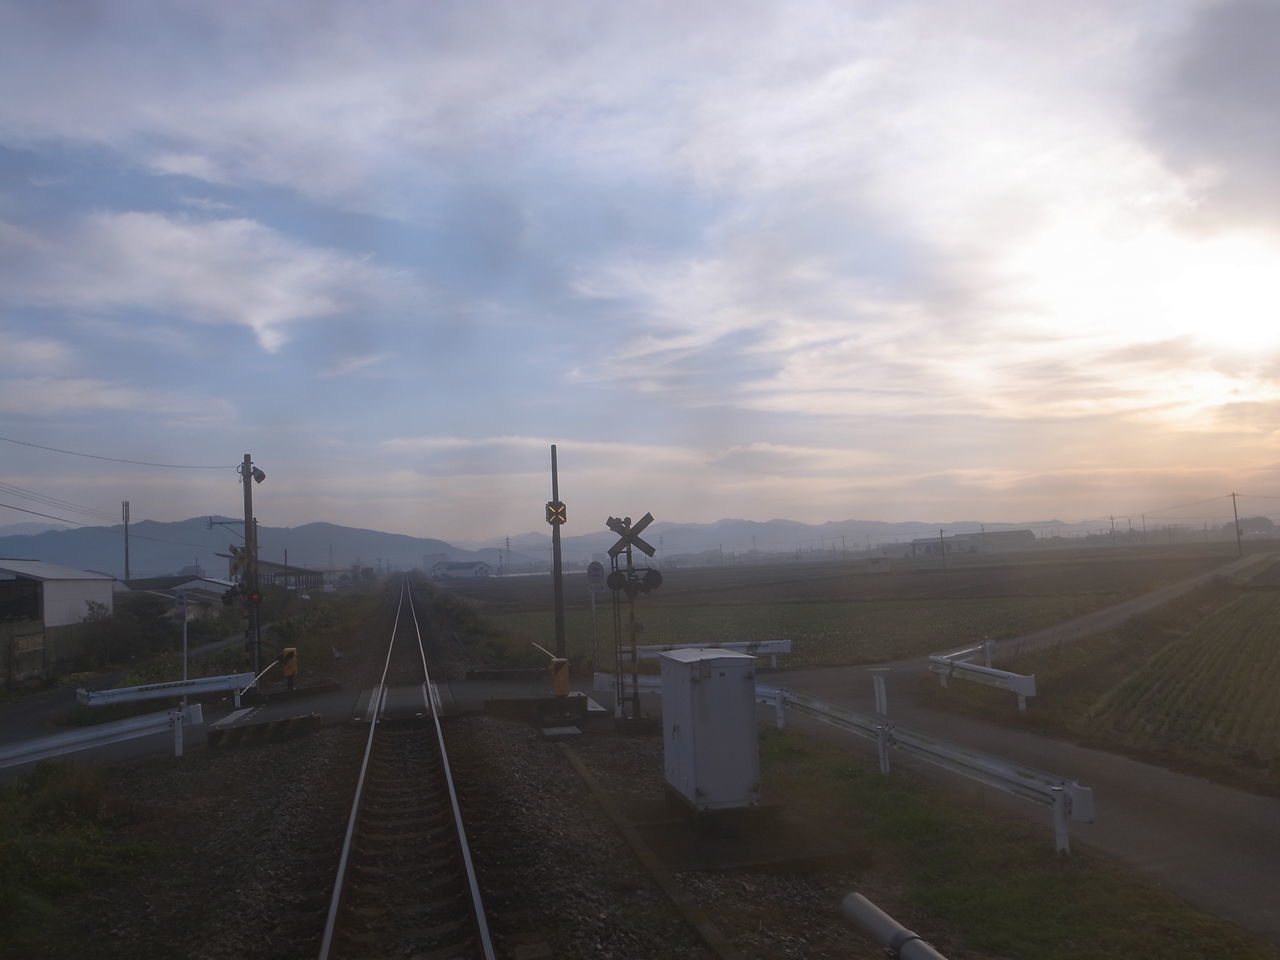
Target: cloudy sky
[{"x": 997, "y": 260}]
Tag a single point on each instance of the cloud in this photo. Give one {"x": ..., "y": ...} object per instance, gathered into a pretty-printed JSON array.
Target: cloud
[
  {"x": 34, "y": 355},
  {"x": 348, "y": 365},
  {"x": 1213, "y": 116},
  {"x": 225, "y": 271},
  {"x": 58, "y": 396}
]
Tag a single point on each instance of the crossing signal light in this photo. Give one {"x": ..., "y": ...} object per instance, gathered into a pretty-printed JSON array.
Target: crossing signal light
[
  {"x": 255, "y": 598},
  {"x": 229, "y": 597}
]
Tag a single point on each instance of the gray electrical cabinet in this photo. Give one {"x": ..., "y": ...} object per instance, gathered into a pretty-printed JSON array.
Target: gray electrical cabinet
[{"x": 711, "y": 750}]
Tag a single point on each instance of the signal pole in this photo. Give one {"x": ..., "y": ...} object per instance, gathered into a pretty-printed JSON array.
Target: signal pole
[
  {"x": 556, "y": 517},
  {"x": 249, "y": 474}
]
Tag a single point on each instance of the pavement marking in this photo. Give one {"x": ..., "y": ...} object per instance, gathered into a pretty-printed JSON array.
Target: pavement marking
[{"x": 235, "y": 717}]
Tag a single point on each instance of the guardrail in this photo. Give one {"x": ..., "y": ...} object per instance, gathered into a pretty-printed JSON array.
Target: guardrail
[
  {"x": 956, "y": 663},
  {"x": 753, "y": 647},
  {"x": 1068, "y": 799},
  {"x": 236, "y": 682},
  {"x": 101, "y": 735}
]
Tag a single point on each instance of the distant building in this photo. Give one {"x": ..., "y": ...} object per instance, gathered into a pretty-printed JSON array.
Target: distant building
[
  {"x": 203, "y": 594},
  {"x": 994, "y": 541},
  {"x": 459, "y": 570},
  {"x": 40, "y": 603}
]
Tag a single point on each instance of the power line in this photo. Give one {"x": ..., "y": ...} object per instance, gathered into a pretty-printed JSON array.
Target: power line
[
  {"x": 114, "y": 532},
  {"x": 140, "y": 463},
  {"x": 50, "y": 501}
]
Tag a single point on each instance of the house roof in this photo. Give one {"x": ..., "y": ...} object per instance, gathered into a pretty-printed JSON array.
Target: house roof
[{"x": 39, "y": 570}]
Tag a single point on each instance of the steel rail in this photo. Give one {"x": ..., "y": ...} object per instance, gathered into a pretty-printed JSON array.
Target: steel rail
[
  {"x": 477, "y": 904},
  {"x": 335, "y": 901},
  {"x": 377, "y": 704}
]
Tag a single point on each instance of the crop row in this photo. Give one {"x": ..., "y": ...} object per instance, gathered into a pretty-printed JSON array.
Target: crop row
[{"x": 1214, "y": 686}]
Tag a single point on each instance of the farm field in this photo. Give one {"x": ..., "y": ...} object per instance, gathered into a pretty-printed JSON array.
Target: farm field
[
  {"x": 822, "y": 633},
  {"x": 836, "y": 614},
  {"x": 1192, "y": 686}
]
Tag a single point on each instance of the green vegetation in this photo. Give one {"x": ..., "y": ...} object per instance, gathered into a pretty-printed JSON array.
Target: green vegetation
[
  {"x": 995, "y": 884},
  {"x": 836, "y": 614},
  {"x": 823, "y": 634},
  {"x": 53, "y": 842},
  {"x": 1191, "y": 685}
]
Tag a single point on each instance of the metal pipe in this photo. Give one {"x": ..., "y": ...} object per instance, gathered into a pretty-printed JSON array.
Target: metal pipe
[{"x": 898, "y": 941}]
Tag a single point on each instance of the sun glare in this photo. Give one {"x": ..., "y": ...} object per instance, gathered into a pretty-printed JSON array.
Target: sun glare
[{"x": 1222, "y": 292}]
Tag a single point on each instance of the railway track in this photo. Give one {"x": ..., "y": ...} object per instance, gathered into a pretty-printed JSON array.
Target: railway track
[{"x": 406, "y": 883}]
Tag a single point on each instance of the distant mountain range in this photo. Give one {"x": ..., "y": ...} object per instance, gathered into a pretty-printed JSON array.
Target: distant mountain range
[{"x": 156, "y": 549}]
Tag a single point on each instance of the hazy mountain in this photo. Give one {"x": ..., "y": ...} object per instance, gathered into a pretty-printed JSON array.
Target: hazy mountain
[
  {"x": 26, "y": 529},
  {"x": 160, "y": 548},
  {"x": 775, "y": 536}
]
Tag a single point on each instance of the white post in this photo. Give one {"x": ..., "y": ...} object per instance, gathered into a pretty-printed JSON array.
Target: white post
[
  {"x": 1061, "y": 831},
  {"x": 986, "y": 650},
  {"x": 882, "y": 698},
  {"x": 882, "y": 747},
  {"x": 1022, "y": 703},
  {"x": 779, "y": 703},
  {"x": 178, "y": 717}
]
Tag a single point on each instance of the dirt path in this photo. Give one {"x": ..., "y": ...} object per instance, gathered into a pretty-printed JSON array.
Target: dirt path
[{"x": 1216, "y": 846}]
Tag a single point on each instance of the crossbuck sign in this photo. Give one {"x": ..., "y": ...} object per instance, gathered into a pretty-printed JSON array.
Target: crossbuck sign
[{"x": 629, "y": 535}]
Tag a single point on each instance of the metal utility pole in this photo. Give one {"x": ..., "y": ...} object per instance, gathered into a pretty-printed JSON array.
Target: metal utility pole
[
  {"x": 1236, "y": 514},
  {"x": 556, "y": 517},
  {"x": 124, "y": 515}
]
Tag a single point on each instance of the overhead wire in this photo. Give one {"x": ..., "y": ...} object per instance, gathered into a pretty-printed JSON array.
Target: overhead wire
[
  {"x": 141, "y": 463},
  {"x": 111, "y": 530},
  {"x": 51, "y": 501}
]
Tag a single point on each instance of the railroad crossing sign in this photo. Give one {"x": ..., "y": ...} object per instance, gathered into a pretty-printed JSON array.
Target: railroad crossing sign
[
  {"x": 630, "y": 536},
  {"x": 556, "y": 514},
  {"x": 239, "y": 560}
]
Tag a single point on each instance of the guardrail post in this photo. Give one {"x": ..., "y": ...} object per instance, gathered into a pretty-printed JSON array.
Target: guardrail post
[
  {"x": 178, "y": 716},
  {"x": 1022, "y": 703},
  {"x": 1061, "y": 829},
  {"x": 986, "y": 650},
  {"x": 779, "y": 703},
  {"x": 882, "y": 746},
  {"x": 882, "y": 698}
]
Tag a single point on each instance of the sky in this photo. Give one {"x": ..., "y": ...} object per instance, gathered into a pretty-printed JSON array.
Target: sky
[{"x": 993, "y": 260}]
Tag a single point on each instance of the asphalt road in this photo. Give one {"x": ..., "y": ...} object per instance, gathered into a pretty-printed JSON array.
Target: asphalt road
[{"x": 1217, "y": 847}]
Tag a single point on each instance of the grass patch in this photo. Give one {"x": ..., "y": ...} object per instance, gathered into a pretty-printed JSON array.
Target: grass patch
[
  {"x": 994, "y": 883},
  {"x": 823, "y": 634},
  {"x": 1190, "y": 685},
  {"x": 53, "y": 843}
]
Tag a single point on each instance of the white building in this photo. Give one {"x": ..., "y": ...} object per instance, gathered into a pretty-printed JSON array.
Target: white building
[{"x": 61, "y": 595}]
